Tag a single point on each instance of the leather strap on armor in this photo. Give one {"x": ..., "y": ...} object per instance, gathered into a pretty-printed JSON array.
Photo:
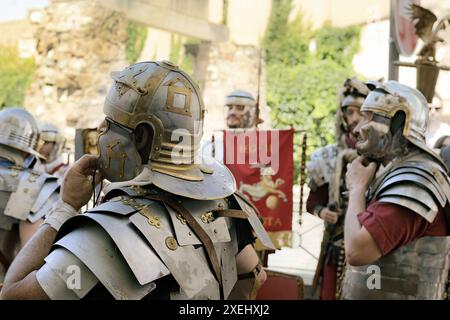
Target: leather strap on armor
[
  {"x": 253, "y": 275},
  {"x": 199, "y": 232},
  {"x": 231, "y": 213}
]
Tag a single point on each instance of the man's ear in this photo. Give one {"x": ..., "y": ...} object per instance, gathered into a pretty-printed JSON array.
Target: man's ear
[{"x": 143, "y": 140}]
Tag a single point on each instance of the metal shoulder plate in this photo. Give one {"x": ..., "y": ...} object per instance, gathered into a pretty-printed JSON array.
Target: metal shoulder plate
[
  {"x": 322, "y": 165},
  {"x": 64, "y": 276},
  {"x": 9, "y": 180},
  {"x": 253, "y": 219},
  {"x": 92, "y": 245},
  {"x": 421, "y": 186},
  {"x": 33, "y": 196},
  {"x": 153, "y": 241}
]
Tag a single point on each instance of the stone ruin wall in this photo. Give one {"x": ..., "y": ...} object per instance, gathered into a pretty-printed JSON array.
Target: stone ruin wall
[{"x": 78, "y": 44}]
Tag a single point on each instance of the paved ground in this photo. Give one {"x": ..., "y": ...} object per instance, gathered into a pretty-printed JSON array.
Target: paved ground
[{"x": 301, "y": 258}]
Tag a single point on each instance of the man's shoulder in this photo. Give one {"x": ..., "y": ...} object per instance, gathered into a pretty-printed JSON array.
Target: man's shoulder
[
  {"x": 419, "y": 184},
  {"x": 110, "y": 243},
  {"x": 31, "y": 192},
  {"x": 322, "y": 164},
  {"x": 328, "y": 152}
]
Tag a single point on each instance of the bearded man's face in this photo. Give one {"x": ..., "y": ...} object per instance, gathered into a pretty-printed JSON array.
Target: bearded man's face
[
  {"x": 240, "y": 116},
  {"x": 373, "y": 138}
]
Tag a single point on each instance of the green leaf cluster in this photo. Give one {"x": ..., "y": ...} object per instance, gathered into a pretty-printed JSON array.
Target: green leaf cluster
[
  {"x": 15, "y": 77},
  {"x": 136, "y": 36},
  {"x": 303, "y": 83}
]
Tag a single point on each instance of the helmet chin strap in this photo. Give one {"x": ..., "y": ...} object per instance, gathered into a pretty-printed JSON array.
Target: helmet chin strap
[{"x": 95, "y": 200}]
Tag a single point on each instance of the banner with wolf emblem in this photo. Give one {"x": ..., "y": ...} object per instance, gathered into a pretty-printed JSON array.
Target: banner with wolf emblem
[{"x": 263, "y": 165}]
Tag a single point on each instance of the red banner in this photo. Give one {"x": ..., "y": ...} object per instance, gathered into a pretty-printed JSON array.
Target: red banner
[{"x": 263, "y": 165}]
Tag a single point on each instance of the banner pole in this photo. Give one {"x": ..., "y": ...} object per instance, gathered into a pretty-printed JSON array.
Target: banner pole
[{"x": 302, "y": 176}]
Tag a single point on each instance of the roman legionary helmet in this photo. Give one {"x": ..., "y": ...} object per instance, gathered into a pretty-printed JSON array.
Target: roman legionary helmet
[
  {"x": 19, "y": 130},
  {"x": 240, "y": 97},
  {"x": 160, "y": 95},
  {"x": 50, "y": 133},
  {"x": 391, "y": 97},
  {"x": 353, "y": 94}
]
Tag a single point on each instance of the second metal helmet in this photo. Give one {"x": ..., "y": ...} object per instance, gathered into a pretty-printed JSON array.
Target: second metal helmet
[
  {"x": 353, "y": 94},
  {"x": 240, "y": 97},
  {"x": 391, "y": 97},
  {"x": 51, "y": 133},
  {"x": 19, "y": 130}
]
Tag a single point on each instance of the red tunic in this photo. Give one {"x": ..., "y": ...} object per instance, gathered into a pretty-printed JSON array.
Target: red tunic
[
  {"x": 320, "y": 197},
  {"x": 317, "y": 197},
  {"x": 392, "y": 226},
  {"x": 328, "y": 283}
]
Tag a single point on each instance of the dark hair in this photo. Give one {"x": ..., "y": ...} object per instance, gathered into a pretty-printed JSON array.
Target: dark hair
[
  {"x": 144, "y": 145},
  {"x": 400, "y": 145}
]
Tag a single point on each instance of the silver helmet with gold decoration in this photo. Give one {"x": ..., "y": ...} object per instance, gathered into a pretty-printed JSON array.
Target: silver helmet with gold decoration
[{"x": 162, "y": 96}]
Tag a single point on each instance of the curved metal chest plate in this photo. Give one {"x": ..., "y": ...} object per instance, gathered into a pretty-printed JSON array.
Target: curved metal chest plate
[
  {"x": 188, "y": 266},
  {"x": 418, "y": 270}
]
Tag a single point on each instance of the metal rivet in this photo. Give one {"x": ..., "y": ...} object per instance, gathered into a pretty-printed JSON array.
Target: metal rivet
[{"x": 171, "y": 243}]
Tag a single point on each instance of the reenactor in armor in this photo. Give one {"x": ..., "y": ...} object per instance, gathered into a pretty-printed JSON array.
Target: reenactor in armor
[
  {"x": 396, "y": 229},
  {"x": 25, "y": 195},
  {"x": 241, "y": 110},
  {"x": 327, "y": 184},
  {"x": 52, "y": 148},
  {"x": 169, "y": 226}
]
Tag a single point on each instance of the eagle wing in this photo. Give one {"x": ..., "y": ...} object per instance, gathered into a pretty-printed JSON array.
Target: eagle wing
[{"x": 424, "y": 20}]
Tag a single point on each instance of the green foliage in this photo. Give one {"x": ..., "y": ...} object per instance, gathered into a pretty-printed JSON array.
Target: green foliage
[
  {"x": 285, "y": 41},
  {"x": 183, "y": 51},
  {"x": 15, "y": 77},
  {"x": 338, "y": 44},
  {"x": 225, "y": 12},
  {"x": 303, "y": 84},
  {"x": 176, "y": 45},
  {"x": 136, "y": 36}
]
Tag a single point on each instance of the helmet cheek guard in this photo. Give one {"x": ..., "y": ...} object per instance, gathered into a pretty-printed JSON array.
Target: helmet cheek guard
[{"x": 119, "y": 158}]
